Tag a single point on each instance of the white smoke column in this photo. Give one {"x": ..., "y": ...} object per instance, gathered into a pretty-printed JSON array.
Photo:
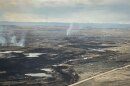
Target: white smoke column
[
  {"x": 2, "y": 40},
  {"x": 13, "y": 40},
  {"x": 68, "y": 32},
  {"x": 21, "y": 43}
]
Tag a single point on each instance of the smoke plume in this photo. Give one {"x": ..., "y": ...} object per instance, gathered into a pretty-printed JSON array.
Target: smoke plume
[
  {"x": 68, "y": 32},
  {"x": 12, "y": 39},
  {"x": 15, "y": 42}
]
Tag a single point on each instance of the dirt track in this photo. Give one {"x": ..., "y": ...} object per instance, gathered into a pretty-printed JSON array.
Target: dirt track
[{"x": 117, "y": 74}]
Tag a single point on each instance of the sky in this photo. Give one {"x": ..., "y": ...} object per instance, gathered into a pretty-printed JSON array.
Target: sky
[{"x": 80, "y": 11}]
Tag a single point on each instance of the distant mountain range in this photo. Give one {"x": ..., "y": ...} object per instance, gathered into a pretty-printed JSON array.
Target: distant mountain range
[{"x": 88, "y": 25}]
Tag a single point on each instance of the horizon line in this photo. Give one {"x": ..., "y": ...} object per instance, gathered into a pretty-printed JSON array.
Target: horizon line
[{"x": 61, "y": 22}]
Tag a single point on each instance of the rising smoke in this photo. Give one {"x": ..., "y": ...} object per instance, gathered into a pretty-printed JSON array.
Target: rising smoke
[
  {"x": 74, "y": 29},
  {"x": 11, "y": 39},
  {"x": 69, "y": 30},
  {"x": 2, "y": 41},
  {"x": 15, "y": 42}
]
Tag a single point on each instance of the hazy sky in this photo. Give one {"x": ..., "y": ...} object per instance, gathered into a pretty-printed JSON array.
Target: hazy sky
[{"x": 86, "y": 11}]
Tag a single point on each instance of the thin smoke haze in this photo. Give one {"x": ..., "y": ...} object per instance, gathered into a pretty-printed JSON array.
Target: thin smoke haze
[
  {"x": 68, "y": 32},
  {"x": 11, "y": 39},
  {"x": 19, "y": 43}
]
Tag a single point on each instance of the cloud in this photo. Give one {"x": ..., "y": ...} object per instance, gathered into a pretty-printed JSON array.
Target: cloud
[
  {"x": 83, "y": 17},
  {"x": 59, "y": 2},
  {"x": 65, "y": 10},
  {"x": 22, "y": 17}
]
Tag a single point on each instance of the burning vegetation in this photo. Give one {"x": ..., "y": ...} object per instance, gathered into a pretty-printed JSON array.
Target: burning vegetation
[{"x": 34, "y": 57}]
